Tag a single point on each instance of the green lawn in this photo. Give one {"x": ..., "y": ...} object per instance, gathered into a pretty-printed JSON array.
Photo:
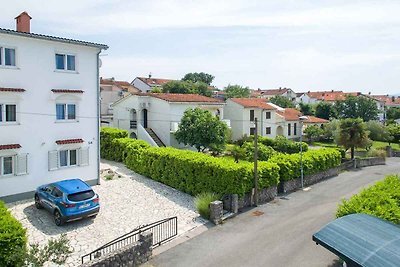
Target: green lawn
[{"x": 375, "y": 144}]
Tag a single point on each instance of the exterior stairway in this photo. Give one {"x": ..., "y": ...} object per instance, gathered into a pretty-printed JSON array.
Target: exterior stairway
[{"x": 155, "y": 137}]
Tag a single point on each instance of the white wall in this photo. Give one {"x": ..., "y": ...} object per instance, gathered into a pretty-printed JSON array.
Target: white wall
[
  {"x": 37, "y": 129},
  {"x": 142, "y": 86}
]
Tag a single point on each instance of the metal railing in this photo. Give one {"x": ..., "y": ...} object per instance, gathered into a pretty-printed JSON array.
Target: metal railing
[
  {"x": 163, "y": 231},
  {"x": 133, "y": 124}
]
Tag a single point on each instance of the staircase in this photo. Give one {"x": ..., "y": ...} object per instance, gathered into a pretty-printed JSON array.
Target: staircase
[{"x": 155, "y": 137}]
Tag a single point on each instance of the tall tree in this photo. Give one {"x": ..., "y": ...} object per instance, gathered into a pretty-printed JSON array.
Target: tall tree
[
  {"x": 353, "y": 134},
  {"x": 306, "y": 109},
  {"x": 394, "y": 132},
  {"x": 325, "y": 111},
  {"x": 198, "y": 77},
  {"x": 393, "y": 113},
  {"x": 232, "y": 91},
  {"x": 186, "y": 87},
  {"x": 313, "y": 132},
  {"x": 357, "y": 107},
  {"x": 201, "y": 129},
  {"x": 282, "y": 101},
  {"x": 377, "y": 131}
]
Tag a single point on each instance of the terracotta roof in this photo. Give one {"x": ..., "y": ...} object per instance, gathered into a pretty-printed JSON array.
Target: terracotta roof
[
  {"x": 290, "y": 114},
  {"x": 11, "y": 146},
  {"x": 69, "y": 141},
  {"x": 253, "y": 103},
  {"x": 388, "y": 100},
  {"x": 154, "y": 81},
  {"x": 331, "y": 95},
  {"x": 313, "y": 119},
  {"x": 184, "y": 98},
  {"x": 279, "y": 91},
  {"x": 2, "y": 89},
  {"x": 114, "y": 82},
  {"x": 72, "y": 91}
]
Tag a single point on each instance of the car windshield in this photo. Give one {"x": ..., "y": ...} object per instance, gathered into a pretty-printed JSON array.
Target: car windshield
[{"x": 81, "y": 196}]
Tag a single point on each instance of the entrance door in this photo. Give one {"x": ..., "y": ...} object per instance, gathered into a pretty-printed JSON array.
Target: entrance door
[{"x": 145, "y": 118}]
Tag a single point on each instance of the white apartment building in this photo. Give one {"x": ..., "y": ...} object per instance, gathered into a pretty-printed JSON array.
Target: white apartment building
[
  {"x": 49, "y": 110},
  {"x": 154, "y": 117}
]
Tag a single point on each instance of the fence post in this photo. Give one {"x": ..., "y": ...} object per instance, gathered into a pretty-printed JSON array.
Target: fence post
[
  {"x": 216, "y": 211},
  {"x": 235, "y": 203}
]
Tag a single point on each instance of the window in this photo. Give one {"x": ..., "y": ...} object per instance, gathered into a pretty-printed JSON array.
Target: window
[
  {"x": 6, "y": 165},
  {"x": 267, "y": 115},
  {"x": 295, "y": 129},
  {"x": 65, "y": 111},
  {"x": 68, "y": 158},
  {"x": 7, "y": 56},
  {"x": 8, "y": 113},
  {"x": 56, "y": 192},
  {"x": 289, "y": 130},
  {"x": 65, "y": 62},
  {"x": 252, "y": 131},
  {"x": 252, "y": 115},
  {"x": 268, "y": 130}
]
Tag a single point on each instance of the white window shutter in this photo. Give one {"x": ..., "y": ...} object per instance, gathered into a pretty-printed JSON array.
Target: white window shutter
[
  {"x": 84, "y": 156},
  {"x": 53, "y": 160},
  {"x": 21, "y": 164}
]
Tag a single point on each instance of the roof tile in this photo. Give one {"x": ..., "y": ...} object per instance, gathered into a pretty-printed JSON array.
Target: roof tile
[
  {"x": 72, "y": 91},
  {"x": 10, "y": 146},
  {"x": 69, "y": 141},
  {"x": 253, "y": 103},
  {"x": 18, "y": 90}
]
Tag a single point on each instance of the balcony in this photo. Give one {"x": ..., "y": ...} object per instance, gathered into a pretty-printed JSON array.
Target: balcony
[{"x": 133, "y": 124}]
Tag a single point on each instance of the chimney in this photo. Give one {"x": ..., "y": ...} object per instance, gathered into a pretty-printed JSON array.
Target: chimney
[
  {"x": 23, "y": 22},
  {"x": 150, "y": 75}
]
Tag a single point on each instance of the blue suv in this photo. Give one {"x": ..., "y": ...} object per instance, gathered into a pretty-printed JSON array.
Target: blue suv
[{"x": 67, "y": 200}]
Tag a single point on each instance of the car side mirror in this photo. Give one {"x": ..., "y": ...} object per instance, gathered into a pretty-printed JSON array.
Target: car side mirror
[{"x": 43, "y": 188}]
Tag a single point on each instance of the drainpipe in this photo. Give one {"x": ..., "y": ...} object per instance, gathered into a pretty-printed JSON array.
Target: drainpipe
[{"x": 98, "y": 117}]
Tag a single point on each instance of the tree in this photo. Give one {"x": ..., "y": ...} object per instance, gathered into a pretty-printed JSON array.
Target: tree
[
  {"x": 186, "y": 87},
  {"x": 331, "y": 130},
  {"x": 353, "y": 134},
  {"x": 393, "y": 113},
  {"x": 357, "y": 107},
  {"x": 312, "y": 132},
  {"x": 377, "y": 131},
  {"x": 232, "y": 91},
  {"x": 198, "y": 77},
  {"x": 306, "y": 109},
  {"x": 394, "y": 132},
  {"x": 282, "y": 101},
  {"x": 201, "y": 129},
  {"x": 325, "y": 111}
]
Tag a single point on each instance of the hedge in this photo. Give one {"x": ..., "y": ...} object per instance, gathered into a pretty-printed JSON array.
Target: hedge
[
  {"x": 107, "y": 136},
  {"x": 12, "y": 239},
  {"x": 314, "y": 161},
  {"x": 381, "y": 199},
  {"x": 282, "y": 144}
]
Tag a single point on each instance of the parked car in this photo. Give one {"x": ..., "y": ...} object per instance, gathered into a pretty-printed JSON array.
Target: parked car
[{"x": 67, "y": 200}]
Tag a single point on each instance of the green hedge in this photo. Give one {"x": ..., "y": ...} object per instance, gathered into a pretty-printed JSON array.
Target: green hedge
[
  {"x": 282, "y": 144},
  {"x": 107, "y": 136},
  {"x": 12, "y": 239},
  {"x": 381, "y": 200},
  {"x": 314, "y": 161}
]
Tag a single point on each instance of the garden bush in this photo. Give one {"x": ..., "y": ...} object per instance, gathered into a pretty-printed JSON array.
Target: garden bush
[
  {"x": 107, "y": 136},
  {"x": 381, "y": 199},
  {"x": 282, "y": 144},
  {"x": 314, "y": 161},
  {"x": 12, "y": 239},
  {"x": 202, "y": 203},
  {"x": 264, "y": 152}
]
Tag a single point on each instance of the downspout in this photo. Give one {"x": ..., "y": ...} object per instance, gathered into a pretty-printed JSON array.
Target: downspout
[{"x": 98, "y": 117}]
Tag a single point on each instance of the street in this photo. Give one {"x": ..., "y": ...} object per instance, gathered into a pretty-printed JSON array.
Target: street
[{"x": 281, "y": 233}]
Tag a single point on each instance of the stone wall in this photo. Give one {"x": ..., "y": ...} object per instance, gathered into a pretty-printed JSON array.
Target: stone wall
[
  {"x": 232, "y": 203},
  {"x": 131, "y": 255},
  {"x": 370, "y": 162},
  {"x": 396, "y": 153}
]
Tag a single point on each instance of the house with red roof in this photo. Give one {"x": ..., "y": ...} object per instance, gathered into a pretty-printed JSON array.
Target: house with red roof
[
  {"x": 154, "y": 117},
  {"x": 268, "y": 93},
  {"x": 145, "y": 85}
]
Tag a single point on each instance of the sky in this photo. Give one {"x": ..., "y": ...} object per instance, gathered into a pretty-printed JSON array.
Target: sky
[{"x": 304, "y": 45}]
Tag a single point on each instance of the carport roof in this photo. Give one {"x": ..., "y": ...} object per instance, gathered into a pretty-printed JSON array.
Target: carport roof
[{"x": 362, "y": 240}]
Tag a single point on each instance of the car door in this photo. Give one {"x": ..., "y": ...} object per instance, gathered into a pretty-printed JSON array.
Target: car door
[
  {"x": 54, "y": 198},
  {"x": 45, "y": 193}
]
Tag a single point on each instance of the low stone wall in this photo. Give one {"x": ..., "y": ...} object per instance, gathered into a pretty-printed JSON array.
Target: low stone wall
[
  {"x": 370, "y": 162},
  {"x": 396, "y": 154},
  {"x": 131, "y": 255},
  {"x": 232, "y": 203}
]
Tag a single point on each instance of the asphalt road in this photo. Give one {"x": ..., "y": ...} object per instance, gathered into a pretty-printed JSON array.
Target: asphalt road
[{"x": 281, "y": 236}]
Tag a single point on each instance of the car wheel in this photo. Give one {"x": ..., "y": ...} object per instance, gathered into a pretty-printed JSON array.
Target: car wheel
[
  {"x": 57, "y": 218},
  {"x": 37, "y": 202}
]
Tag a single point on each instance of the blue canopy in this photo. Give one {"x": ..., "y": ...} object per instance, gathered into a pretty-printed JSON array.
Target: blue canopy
[{"x": 362, "y": 240}]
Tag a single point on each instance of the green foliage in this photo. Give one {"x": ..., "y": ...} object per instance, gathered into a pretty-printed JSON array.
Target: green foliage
[
  {"x": 381, "y": 200},
  {"x": 357, "y": 107},
  {"x": 199, "y": 128},
  {"x": 156, "y": 90},
  {"x": 56, "y": 251},
  {"x": 394, "y": 132},
  {"x": 202, "y": 202},
  {"x": 107, "y": 135},
  {"x": 332, "y": 130},
  {"x": 12, "y": 239},
  {"x": 377, "y": 131},
  {"x": 186, "y": 87},
  {"x": 236, "y": 91},
  {"x": 325, "y": 111},
  {"x": 306, "y": 109},
  {"x": 282, "y": 144},
  {"x": 373, "y": 152},
  {"x": 393, "y": 113},
  {"x": 198, "y": 77},
  {"x": 282, "y": 101},
  {"x": 237, "y": 152},
  {"x": 264, "y": 152},
  {"x": 313, "y": 132},
  {"x": 314, "y": 161},
  {"x": 353, "y": 134}
]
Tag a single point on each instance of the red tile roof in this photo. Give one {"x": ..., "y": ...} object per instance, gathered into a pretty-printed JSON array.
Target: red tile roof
[
  {"x": 253, "y": 103},
  {"x": 274, "y": 92},
  {"x": 3, "y": 89},
  {"x": 313, "y": 119},
  {"x": 11, "y": 146},
  {"x": 331, "y": 95},
  {"x": 154, "y": 81},
  {"x": 72, "y": 91},
  {"x": 290, "y": 114},
  {"x": 114, "y": 82},
  {"x": 182, "y": 97},
  {"x": 388, "y": 100},
  {"x": 69, "y": 141}
]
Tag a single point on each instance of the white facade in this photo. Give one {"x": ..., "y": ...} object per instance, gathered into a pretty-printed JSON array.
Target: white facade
[
  {"x": 36, "y": 128},
  {"x": 142, "y": 86},
  {"x": 162, "y": 117}
]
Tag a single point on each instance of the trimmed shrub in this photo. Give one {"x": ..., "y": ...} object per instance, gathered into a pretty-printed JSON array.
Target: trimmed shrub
[
  {"x": 282, "y": 144},
  {"x": 314, "y": 161},
  {"x": 12, "y": 239},
  {"x": 107, "y": 136},
  {"x": 202, "y": 202},
  {"x": 264, "y": 152},
  {"x": 373, "y": 152},
  {"x": 381, "y": 199}
]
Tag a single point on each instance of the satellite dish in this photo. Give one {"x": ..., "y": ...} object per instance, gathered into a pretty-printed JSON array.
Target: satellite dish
[{"x": 100, "y": 63}]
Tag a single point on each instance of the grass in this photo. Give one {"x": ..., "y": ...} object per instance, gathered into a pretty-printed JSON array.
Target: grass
[
  {"x": 202, "y": 202},
  {"x": 375, "y": 145},
  {"x": 109, "y": 177}
]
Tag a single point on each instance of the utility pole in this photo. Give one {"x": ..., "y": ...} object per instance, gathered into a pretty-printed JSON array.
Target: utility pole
[{"x": 255, "y": 163}]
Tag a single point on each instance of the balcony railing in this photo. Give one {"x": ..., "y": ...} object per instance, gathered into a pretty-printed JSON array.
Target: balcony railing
[{"x": 133, "y": 124}]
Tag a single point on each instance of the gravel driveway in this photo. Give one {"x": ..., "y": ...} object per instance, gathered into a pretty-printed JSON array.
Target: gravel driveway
[{"x": 126, "y": 203}]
